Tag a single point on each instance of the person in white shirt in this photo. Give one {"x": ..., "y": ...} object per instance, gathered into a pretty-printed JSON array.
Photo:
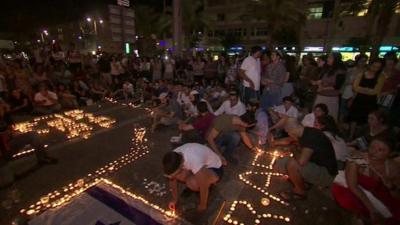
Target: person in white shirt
[
  {"x": 310, "y": 119},
  {"x": 281, "y": 113},
  {"x": 46, "y": 101},
  {"x": 195, "y": 165},
  {"x": 250, "y": 73},
  {"x": 232, "y": 106}
]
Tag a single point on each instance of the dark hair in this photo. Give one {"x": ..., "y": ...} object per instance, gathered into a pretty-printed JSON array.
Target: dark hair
[
  {"x": 381, "y": 115},
  {"x": 323, "y": 58},
  {"x": 278, "y": 53},
  {"x": 391, "y": 56},
  {"x": 249, "y": 117},
  {"x": 388, "y": 140},
  {"x": 202, "y": 107},
  {"x": 255, "y": 49},
  {"x": 382, "y": 62},
  {"x": 329, "y": 124},
  {"x": 288, "y": 98},
  {"x": 337, "y": 64},
  {"x": 359, "y": 57},
  {"x": 323, "y": 107},
  {"x": 171, "y": 162}
]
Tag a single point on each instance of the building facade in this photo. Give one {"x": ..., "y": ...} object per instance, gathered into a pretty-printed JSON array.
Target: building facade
[{"x": 321, "y": 31}]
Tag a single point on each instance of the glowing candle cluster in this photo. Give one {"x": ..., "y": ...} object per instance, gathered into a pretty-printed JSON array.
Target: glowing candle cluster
[
  {"x": 65, "y": 194},
  {"x": 71, "y": 123},
  {"x": 265, "y": 201},
  {"x": 257, "y": 217}
]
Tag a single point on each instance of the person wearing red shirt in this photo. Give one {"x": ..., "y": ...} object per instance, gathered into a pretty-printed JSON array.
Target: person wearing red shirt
[{"x": 200, "y": 126}]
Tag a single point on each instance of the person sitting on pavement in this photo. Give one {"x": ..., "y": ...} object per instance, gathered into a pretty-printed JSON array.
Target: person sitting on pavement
[
  {"x": 195, "y": 165},
  {"x": 281, "y": 113},
  {"x": 378, "y": 125},
  {"x": 46, "y": 102},
  {"x": 201, "y": 125},
  {"x": 261, "y": 116},
  {"x": 310, "y": 119},
  {"x": 190, "y": 108},
  {"x": 327, "y": 124},
  {"x": 232, "y": 106},
  {"x": 12, "y": 141},
  {"x": 19, "y": 102},
  {"x": 167, "y": 113},
  {"x": 226, "y": 132},
  {"x": 316, "y": 163},
  {"x": 370, "y": 184}
]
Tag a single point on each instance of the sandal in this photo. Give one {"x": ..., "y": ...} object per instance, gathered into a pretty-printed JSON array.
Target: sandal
[{"x": 290, "y": 196}]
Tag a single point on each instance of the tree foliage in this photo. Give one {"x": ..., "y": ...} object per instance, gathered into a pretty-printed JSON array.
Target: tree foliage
[{"x": 278, "y": 14}]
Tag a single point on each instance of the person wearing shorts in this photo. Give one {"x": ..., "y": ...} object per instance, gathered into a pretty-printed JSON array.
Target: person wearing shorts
[
  {"x": 316, "y": 163},
  {"x": 196, "y": 166}
]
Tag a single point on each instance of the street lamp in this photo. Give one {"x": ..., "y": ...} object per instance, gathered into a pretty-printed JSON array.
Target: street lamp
[
  {"x": 88, "y": 19},
  {"x": 101, "y": 21}
]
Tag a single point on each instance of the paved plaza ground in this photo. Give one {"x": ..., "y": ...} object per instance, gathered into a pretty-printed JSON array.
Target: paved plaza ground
[{"x": 79, "y": 157}]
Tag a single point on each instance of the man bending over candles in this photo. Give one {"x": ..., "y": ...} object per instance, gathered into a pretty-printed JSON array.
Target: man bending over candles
[
  {"x": 194, "y": 165},
  {"x": 316, "y": 163}
]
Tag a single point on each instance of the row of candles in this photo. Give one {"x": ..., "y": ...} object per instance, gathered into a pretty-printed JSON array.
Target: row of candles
[
  {"x": 65, "y": 194},
  {"x": 258, "y": 218}
]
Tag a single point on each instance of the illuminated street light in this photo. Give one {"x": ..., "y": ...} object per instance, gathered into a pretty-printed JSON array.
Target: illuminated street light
[
  {"x": 101, "y": 21},
  {"x": 88, "y": 19}
]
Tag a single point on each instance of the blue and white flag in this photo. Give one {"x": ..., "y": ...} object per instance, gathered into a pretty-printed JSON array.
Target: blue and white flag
[{"x": 101, "y": 205}]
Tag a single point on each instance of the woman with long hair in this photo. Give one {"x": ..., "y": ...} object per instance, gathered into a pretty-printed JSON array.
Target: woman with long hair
[
  {"x": 367, "y": 87},
  {"x": 328, "y": 125},
  {"x": 347, "y": 89},
  {"x": 369, "y": 185},
  {"x": 331, "y": 81}
]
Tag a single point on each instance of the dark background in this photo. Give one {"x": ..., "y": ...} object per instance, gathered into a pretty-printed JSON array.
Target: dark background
[{"x": 18, "y": 16}]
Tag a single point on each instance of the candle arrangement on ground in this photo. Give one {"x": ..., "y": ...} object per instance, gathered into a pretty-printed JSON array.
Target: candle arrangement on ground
[
  {"x": 74, "y": 124},
  {"x": 267, "y": 173},
  {"x": 130, "y": 104},
  {"x": 155, "y": 188},
  {"x": 62, "y": 196}
]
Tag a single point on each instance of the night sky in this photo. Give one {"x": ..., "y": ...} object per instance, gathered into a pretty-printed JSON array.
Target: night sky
[{"x": 24, "y": 15}]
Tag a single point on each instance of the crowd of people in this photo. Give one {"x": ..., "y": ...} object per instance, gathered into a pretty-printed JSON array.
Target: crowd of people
[{"x": 342, "y": 116}]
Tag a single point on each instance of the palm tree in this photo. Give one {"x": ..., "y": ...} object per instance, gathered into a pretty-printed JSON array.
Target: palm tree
[
  {"x": 193, "y": 21},
  {"x": 147, "y": 25},
  {"x": 279, "y": 14},
  {"x": 379, "y": 15},
  {"x": 382, "y": 12}
]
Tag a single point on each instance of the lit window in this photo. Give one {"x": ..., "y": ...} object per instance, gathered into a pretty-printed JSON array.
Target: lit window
[
  {"x": 315, "y": 12},
  {"x": 364, "y": 10}
]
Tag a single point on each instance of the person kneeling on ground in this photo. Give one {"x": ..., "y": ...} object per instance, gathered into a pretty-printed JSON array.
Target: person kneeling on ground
[
  {"x": 281, "y": 113},
  {"x": 196, "y": 132},
  {"x": 316, "y": 163},
  {"x": 226, "y": 131},
  {"x": 195, "y": 165}
]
